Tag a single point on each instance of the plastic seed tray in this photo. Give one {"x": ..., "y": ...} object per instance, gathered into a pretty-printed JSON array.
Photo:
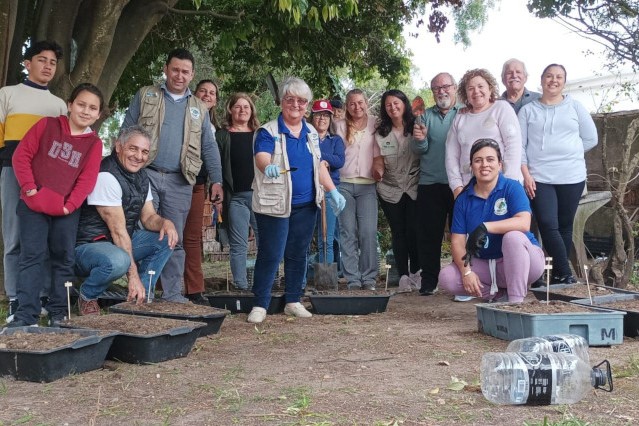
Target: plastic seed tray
[
  {"x": 631, "y": 319},
  {"x": 326, "y": 304}
]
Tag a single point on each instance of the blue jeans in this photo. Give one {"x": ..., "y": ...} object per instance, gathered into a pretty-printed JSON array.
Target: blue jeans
[
  {"x": 286, "y": 237},
  {"x": 103, "y": 262},
  {"x": 172, "y": 200},
  {"x": 331, "y": 221},
  {"x": 358, "y": 233},
  {"x": 239, "y": 217},
  {"x": 43, "y": 236}
]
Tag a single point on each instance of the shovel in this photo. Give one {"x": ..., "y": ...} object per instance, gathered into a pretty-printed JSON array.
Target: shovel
[{"x": 325, "y": 274}]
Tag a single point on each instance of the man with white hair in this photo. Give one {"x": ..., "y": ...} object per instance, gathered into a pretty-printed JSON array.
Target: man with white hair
[{"x": 514, "y": 76}]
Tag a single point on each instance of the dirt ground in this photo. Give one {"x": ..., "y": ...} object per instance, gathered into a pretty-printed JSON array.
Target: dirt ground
[{"x": 405, "y": 366}]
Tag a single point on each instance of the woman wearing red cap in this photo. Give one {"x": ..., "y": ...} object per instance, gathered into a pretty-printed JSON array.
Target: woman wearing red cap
[{"x": 332, "y": 149}]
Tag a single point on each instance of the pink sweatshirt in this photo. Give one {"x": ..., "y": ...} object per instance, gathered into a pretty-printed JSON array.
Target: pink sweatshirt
[{"x": 358, "y": 164}]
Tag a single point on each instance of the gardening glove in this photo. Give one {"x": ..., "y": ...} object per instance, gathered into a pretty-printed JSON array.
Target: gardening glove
[
  {"x": 477, "y": 240},
  {"x": 336, "y": 201},
  {"x": 272, "y": 171}
]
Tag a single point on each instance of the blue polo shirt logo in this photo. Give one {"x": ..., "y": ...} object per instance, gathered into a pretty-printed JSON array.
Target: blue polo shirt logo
[{"x": 501, "y": 207}]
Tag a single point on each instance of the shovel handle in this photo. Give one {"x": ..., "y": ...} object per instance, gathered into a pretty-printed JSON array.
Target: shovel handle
[{"x": 324, "y": 238}]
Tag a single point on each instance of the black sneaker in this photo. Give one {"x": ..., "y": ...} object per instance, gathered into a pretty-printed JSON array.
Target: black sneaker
[
  {"x": 426, "y": 292},
  {"x": 198, "y": 299},
  {"x": 56, "y": 320},
  {"x": 566, "y": 279},
  {"x": 539, "y": 283},
  {"x": 19, "y": 323},
  {"x": 13, "y": 308}
]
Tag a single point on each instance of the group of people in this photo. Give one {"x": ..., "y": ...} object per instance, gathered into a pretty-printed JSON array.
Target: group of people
[{"x": 474, "y": 159}]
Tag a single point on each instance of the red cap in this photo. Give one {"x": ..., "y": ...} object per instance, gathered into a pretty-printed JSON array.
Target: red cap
[{"x": 322, "y": 105}]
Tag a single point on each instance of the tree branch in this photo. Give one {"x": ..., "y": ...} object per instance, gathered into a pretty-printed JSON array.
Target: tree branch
[{"x": 206, "y": 12}]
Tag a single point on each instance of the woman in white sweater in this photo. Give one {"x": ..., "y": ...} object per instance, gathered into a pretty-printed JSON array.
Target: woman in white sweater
[
  {"x": 487, "y": 117},
  {"x": 556, "y": 132}
]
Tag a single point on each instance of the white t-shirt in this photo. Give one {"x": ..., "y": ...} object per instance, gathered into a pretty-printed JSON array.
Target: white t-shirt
[{"x": 107, "y": 192}]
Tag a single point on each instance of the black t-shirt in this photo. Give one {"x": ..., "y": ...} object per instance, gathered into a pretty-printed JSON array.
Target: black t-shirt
[{"x": 242, "y": 160}]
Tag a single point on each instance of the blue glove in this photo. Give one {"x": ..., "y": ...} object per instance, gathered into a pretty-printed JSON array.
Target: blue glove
[
  {"x": 272, "y": 171},
  {"x": 336, "y": 201}
]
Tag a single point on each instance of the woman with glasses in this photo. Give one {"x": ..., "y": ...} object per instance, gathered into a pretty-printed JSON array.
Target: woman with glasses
[
  {"x": 206, "y": 91},
  {"x": 235, "y": 142},
  {"x": 332, "y": 149},
  {"x": 396, "y": 170},
  {"x": 289, "y": 184},
  {"x": 556, "y": 131},
  {"x": 486, "y": 117},
  {"x": 358, "y": 221},
  {"x": 495, "y": 256}
]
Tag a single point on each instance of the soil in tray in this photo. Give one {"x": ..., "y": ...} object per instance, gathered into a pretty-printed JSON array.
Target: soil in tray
[
  {"x": 626, "y": 305},
  {"x": 581, "y": 291},
  {"x": 186, "y": 309},
  {"x": 37, "y": 342},
  {"x": 129, "y": 324},
  {"x": 541, "y": 307}
]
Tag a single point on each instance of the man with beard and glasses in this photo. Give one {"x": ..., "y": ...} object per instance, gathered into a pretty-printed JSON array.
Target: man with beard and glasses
[
  {"x": 434, "y": 197},
  {"x": 514, "y": 76}
]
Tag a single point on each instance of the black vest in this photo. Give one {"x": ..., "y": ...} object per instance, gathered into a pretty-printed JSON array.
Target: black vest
[{"x": 135, "y": 188}]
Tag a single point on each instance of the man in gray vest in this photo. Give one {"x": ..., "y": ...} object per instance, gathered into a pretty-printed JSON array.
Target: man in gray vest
[
  {"x": 181, "y": 137},
  {"x": 514, "y": 77}
]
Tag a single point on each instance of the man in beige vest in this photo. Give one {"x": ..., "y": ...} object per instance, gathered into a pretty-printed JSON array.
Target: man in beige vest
[{"x": 181, "y": 138}]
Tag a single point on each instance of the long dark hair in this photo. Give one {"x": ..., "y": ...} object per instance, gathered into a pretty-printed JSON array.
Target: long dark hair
[
  {"x": 212, "y": 113},
  {"x": 385, "y": 123}
]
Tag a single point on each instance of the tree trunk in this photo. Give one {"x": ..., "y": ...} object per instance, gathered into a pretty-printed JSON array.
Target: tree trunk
[{"x": 8, "y": 15}]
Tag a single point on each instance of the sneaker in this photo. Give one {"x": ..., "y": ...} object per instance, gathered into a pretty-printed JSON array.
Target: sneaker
[
  {"x": 19, "y": 323},
  {"x": 415, "y": 280},
  {"x": 297, "y": 310},
  {"x": 88, "y": 307},
  {"x": 463, "y": 298},
  {"x": 43, "y": 303},
  {"x": 238, "y": 287},
  {"x": 426, "y": 292},
  {"x": 405, "y": 284},
  {"x": 566, "y": 279},
  {"x": 257, "y": 315},
  {"x": 354, "y": 285},
  {"x": 541, "y": 282},
  {"x": 198, "y": 299},
  {"x": 13, "y": 308},
  {"x": 56, "y": 320},
  {"x": 370, "y": 285}
]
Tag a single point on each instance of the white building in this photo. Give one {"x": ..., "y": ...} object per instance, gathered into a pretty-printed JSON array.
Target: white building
[{"x": 606, "y": 93}]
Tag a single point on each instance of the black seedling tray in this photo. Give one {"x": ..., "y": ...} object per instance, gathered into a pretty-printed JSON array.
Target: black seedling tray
[
  {"x": 85, "y": 354},
  {"x": 213, "y": 320},
  {"x": 326, "y": 304},
  {"x": 110, "y": 298},
  {"x": 630, "y": 320},
  {"x": 243, "y": 303},
  {"x": 540, "y": 292}
]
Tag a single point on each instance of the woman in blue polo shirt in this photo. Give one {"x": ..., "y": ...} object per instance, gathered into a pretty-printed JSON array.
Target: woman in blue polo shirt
[{"x": 495, "y": 256}]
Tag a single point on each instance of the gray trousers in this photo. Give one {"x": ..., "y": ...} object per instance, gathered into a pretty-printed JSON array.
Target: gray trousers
[
  {"x": 172, "y": 200},
  {"x": 358, "y": 233},
  {"x": 239, "y": 217}
]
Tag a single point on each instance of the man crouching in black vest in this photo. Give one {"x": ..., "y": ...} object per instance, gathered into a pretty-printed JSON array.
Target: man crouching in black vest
[{"x": 110, "y": 243}]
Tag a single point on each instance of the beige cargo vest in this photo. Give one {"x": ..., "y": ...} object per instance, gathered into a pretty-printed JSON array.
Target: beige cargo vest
[
  {"x": 401, "y": 168},
  {"x": 272, "y": 196},
  {"x": 151, "y": 118}
]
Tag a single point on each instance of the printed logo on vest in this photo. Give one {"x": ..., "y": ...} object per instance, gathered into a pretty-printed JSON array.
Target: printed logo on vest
[
  {"x": 195, "y": 113},
  {"x": 151, "y": 95},
  {"x": 501, "y": 208}
]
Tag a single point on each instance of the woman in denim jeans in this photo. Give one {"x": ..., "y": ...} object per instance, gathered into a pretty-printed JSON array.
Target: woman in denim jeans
[
  {"x": 290, "y": 182},
  {"x": 236, "y": 150}
]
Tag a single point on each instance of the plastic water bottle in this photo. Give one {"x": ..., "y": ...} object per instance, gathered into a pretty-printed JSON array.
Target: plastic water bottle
[
  {"x": 534, "y": 378},
  {"x": 558, "y": 343}
]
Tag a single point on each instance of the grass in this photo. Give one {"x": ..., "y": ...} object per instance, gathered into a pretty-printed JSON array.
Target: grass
[
  {"x": 630, "y": 370},
  {"x": 569, "y": 421}
]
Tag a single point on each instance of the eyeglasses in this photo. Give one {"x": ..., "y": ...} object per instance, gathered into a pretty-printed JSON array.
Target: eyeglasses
[
  {"x": 320, "y": 115},
  {"x": 292, "y": 100},
  {"x": 445, "y": 88}
]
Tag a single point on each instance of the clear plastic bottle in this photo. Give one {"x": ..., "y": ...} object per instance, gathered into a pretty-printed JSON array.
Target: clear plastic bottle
[
  {"x": 534, "y": 378},
  {"x": 558, "y": 343}
]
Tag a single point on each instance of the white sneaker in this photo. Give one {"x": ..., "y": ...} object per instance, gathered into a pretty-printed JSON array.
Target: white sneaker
[
  {"x": 297, "y": 310},
  {"x": 463, "y": 298},
  {"x": 404, "y": 284},
  {"x": 257, "y": 315}
]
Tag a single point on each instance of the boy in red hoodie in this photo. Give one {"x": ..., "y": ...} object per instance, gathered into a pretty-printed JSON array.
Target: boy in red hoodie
[{"x": 56, "y": 165}]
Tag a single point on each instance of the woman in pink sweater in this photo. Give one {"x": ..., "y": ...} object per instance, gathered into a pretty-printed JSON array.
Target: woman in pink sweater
[{"x": 56, "y": 165}]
